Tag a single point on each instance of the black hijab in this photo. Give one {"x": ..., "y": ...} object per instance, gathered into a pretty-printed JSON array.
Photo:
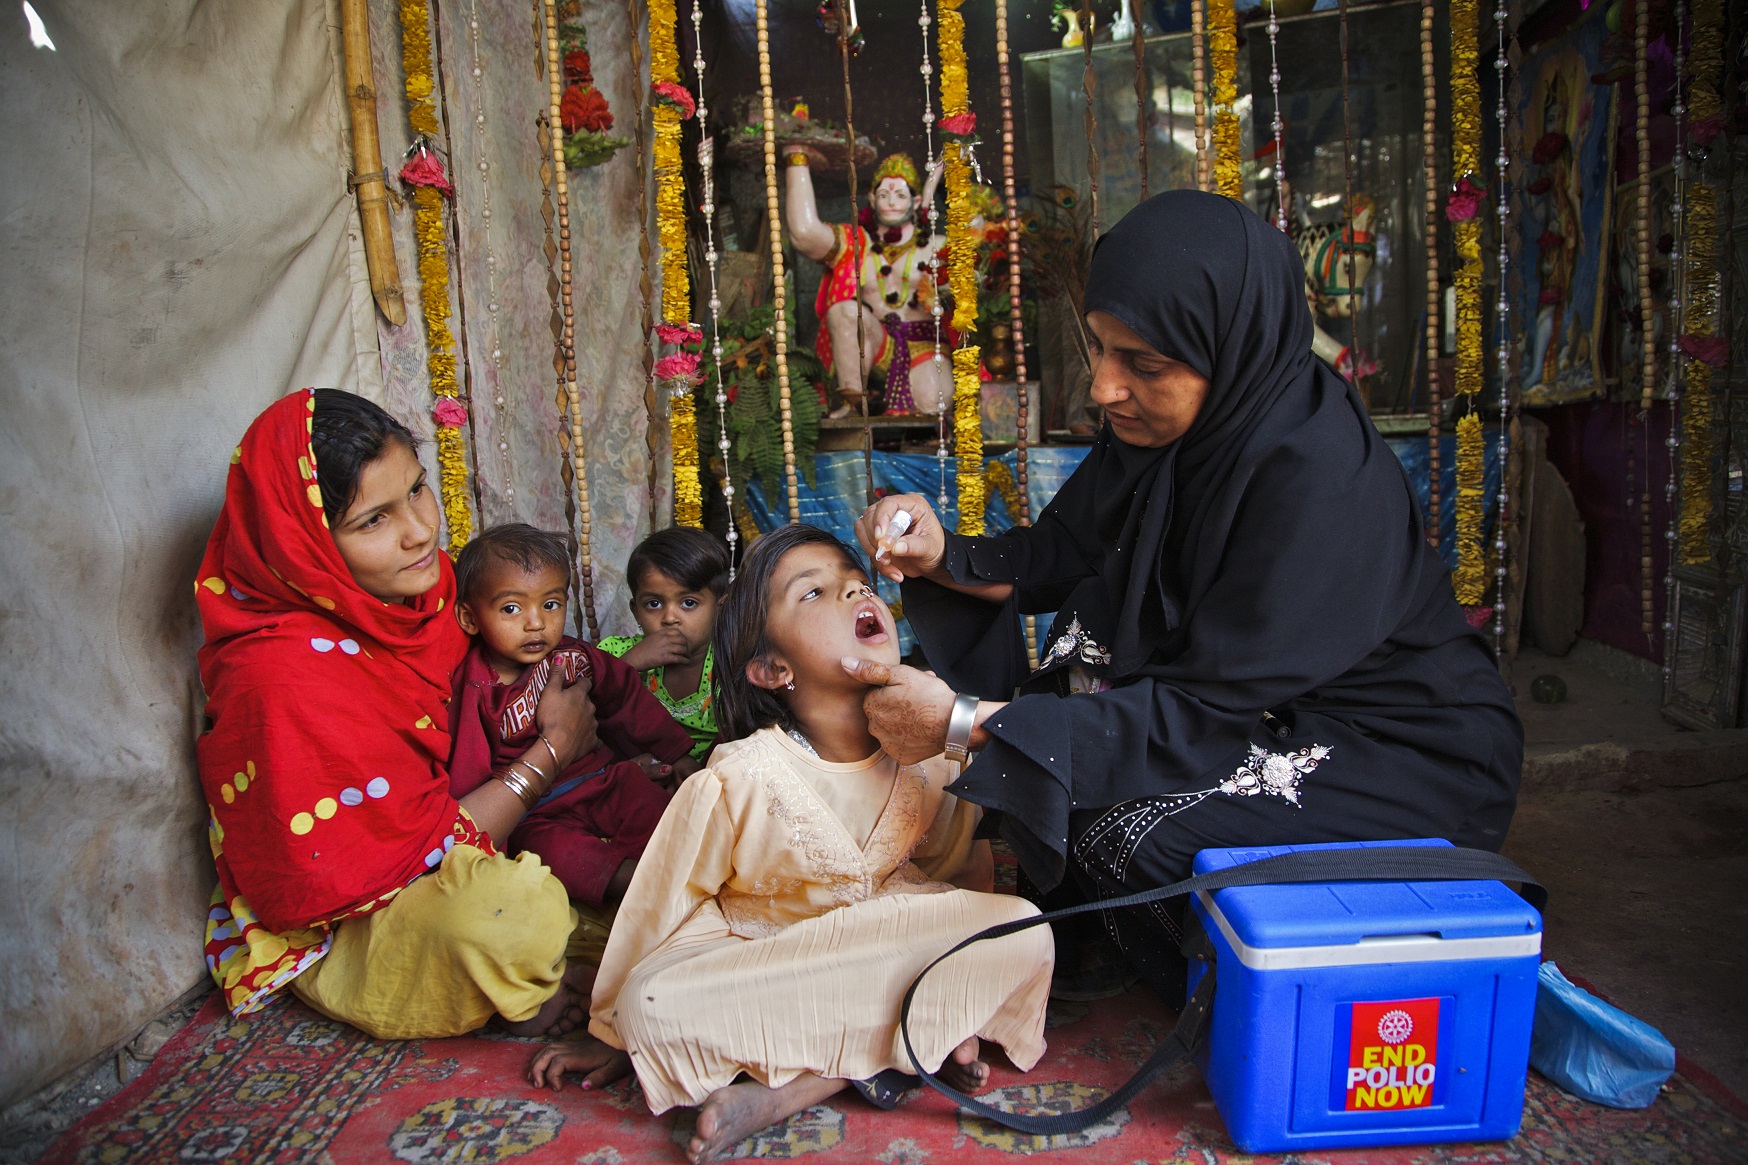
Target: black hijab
[{"x": 1204, "y": 281}]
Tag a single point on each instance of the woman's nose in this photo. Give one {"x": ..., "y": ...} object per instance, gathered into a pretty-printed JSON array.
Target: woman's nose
[
  {"x": 416, "y": 532},
  {"x": 1107, "y": 384}
]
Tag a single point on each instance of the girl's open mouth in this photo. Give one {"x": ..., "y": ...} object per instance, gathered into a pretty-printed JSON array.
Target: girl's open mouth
[{"x": 869, "y": 626}]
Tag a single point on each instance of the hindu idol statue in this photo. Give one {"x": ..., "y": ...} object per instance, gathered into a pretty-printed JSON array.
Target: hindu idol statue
[{"x": 878, "y": 287}]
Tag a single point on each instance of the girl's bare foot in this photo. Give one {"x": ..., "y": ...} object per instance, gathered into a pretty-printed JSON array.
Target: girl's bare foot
[
  {"x": 731, "y": 1115},
  {"x": 565, "y": 1012},
  {"x": 963, "y": 1069}
]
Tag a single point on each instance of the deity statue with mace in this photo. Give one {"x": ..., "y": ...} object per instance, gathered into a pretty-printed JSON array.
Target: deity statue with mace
[{"x": 875, "y": 302}]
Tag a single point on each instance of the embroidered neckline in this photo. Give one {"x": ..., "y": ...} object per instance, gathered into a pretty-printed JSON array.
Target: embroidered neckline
[{"x": 698, "y": 701}]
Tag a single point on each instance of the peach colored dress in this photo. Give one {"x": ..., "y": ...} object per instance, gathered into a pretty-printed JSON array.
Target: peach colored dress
[{"x": 783, "y": 908}]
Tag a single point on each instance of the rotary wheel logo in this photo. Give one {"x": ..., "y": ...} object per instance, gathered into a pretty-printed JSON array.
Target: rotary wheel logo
[{"x": 1395, "y": 1026}]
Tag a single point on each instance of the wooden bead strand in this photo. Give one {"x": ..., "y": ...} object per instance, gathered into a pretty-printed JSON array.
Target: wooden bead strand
[
  {"x": 1429, "y": 162},
  {"x": 1016, "y": 316},
  {"x": 567, "y": 338},
  {"x": 1199, "y": 85},
  {"x": 779, "y": 292}
]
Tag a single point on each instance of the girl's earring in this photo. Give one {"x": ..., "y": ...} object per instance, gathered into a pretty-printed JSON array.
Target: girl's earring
[{"x": 789, "y": 684}]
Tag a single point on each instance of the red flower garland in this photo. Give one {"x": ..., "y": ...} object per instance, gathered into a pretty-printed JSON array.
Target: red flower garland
[{"x": 584, "y": 108}]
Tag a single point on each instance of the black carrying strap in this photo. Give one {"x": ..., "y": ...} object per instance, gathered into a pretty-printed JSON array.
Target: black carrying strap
[{"x": 1398, "y": 863}]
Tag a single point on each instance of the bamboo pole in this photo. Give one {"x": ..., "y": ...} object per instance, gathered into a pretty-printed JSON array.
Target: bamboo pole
[{"x": 368, "y": 178}]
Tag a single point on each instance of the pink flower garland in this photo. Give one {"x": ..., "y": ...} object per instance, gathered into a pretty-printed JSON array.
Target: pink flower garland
[
  {"x": 959, "y": 124},
  {"x": 450, "y": 413},
  {"x": 1464, "y": 202},
  {"x": 426, "y": 170},
  {"x": 681, "y": 367},
  {"x": 670, "y": 93},
  {"x": 679, "y": 333}
]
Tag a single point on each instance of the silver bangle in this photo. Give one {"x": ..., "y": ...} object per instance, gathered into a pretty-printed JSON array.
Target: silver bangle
[{"x": 959, "y": 726}]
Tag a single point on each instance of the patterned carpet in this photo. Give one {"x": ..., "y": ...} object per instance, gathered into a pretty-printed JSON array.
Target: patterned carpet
[{"x": 286, "y": 1085}]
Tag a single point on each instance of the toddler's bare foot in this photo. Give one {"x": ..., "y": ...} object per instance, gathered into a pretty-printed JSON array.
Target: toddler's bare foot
[
  {"x": 565, "y": 1012},
  {"x": 599, "y": 1064},
  {"x": 731, "y": 1115},
  {"x": 963, "y": 1069}
]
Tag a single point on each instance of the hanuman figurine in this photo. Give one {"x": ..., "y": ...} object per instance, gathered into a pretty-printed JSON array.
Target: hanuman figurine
[{"x": 878, "y": 270}]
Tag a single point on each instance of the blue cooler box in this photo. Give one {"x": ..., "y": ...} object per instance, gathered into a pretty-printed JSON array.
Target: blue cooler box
[{"x": 1367, "y": 1013}]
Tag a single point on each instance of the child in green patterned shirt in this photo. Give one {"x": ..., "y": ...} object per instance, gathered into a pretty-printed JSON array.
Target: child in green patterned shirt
[{"x": 676, "y": 578}]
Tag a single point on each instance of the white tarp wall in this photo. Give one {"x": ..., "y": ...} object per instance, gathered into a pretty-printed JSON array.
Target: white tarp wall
[{"x": 180, "y": 248}]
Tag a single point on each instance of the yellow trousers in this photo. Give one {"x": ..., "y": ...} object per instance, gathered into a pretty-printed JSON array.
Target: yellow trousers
[{"x": 483, "y": 935}]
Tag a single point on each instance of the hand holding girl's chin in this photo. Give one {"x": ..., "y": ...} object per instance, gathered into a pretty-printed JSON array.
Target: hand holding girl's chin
[{"x": 907, "y": 709}]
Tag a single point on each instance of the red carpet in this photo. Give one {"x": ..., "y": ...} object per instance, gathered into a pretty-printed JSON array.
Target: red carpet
[{"x": 286, "y": 1085}]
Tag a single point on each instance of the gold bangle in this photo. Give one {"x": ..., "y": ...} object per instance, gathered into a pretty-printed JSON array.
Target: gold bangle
[
  {"x": 556, "y": 766},
  {"x": 539, "y": 772},
  {"x": 517, "y": 784},
  {"x": 542, "y": 783},
  {"x": 796, "y": 158}
]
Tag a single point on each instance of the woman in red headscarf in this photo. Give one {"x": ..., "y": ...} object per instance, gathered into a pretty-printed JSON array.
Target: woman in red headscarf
[{"x": 346, "y": 869}]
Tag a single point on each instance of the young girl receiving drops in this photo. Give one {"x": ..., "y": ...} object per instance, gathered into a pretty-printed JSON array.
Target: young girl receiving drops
[{"x": 797, "y": 886}]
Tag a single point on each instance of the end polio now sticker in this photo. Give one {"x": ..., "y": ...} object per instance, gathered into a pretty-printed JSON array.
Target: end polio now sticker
[{"x": 1392, "y": 1055}]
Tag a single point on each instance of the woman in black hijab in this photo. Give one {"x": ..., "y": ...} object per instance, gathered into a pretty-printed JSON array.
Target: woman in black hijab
[{"x": 1253, "y": 642}]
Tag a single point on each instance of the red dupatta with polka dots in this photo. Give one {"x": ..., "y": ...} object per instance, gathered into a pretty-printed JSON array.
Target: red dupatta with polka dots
[{"x": 325, "y": 764}]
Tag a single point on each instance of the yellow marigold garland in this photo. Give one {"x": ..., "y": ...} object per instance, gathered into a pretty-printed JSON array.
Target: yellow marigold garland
[
  {"x": 688, "y": 491},
  {"x": 968, "y": 427},
  {"x": 1706, "y": 61},
  {"x": 998, "y": 477},
  {"x": 428, "y": 233},
  {"x": 670, "y": 179},
  {"x": 961, "y": 238},
  {"x": 950, "y": 39},
  {"x": 670, "y": 183},
  {"x": 1696, "y": 402},
  {"x": 1470, "y": 578},
  {"x": 416, "y": 63},
  {"x": 1223, "y": 55},
  {"x": 962, "y": 269}
]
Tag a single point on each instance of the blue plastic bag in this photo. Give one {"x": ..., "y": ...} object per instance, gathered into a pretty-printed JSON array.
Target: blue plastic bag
[{"x": 1594, "y": 1050}]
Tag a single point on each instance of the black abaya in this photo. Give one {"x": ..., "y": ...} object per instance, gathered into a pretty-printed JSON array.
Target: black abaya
[{"x": 1272, "y": 560}]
